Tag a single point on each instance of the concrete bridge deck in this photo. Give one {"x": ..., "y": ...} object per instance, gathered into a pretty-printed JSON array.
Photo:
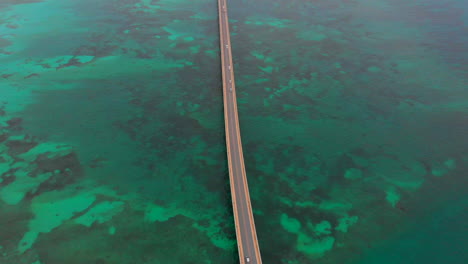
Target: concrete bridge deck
[{"x": 249, "y": 252}]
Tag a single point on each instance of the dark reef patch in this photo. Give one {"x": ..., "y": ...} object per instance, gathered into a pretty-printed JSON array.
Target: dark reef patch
[
  {"x": 68, "y": 162},
  {"x": 16, "y": 147}
]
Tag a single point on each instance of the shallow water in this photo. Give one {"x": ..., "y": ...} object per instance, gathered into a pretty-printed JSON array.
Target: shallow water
[{"x": 354, "y": 117}]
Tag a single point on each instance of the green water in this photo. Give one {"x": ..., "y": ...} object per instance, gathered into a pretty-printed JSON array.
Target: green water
[{"x": 354, "y": 118}]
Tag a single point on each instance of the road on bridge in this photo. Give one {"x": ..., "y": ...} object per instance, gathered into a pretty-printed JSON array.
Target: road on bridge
[{"x": 249, "y": 252}]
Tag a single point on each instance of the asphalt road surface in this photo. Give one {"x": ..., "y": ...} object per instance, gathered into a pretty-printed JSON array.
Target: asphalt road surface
[{"x": 247, "y": 242}]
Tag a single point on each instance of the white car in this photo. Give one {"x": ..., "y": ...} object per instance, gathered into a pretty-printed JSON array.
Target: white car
[{"x": 247, "y": 259}]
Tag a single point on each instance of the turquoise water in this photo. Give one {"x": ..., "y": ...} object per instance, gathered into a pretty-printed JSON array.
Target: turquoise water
[
  {"x": 355, "y": 120},
  {"x": 354, "y": 116},
  {"x": 112, "y": 146}
]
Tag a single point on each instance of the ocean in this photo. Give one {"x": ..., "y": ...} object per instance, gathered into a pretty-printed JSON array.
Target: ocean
[{"x": 353, "y": 113}]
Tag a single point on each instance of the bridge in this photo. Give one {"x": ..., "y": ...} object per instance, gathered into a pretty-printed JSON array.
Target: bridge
[{"x": 249, "y": 252}]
